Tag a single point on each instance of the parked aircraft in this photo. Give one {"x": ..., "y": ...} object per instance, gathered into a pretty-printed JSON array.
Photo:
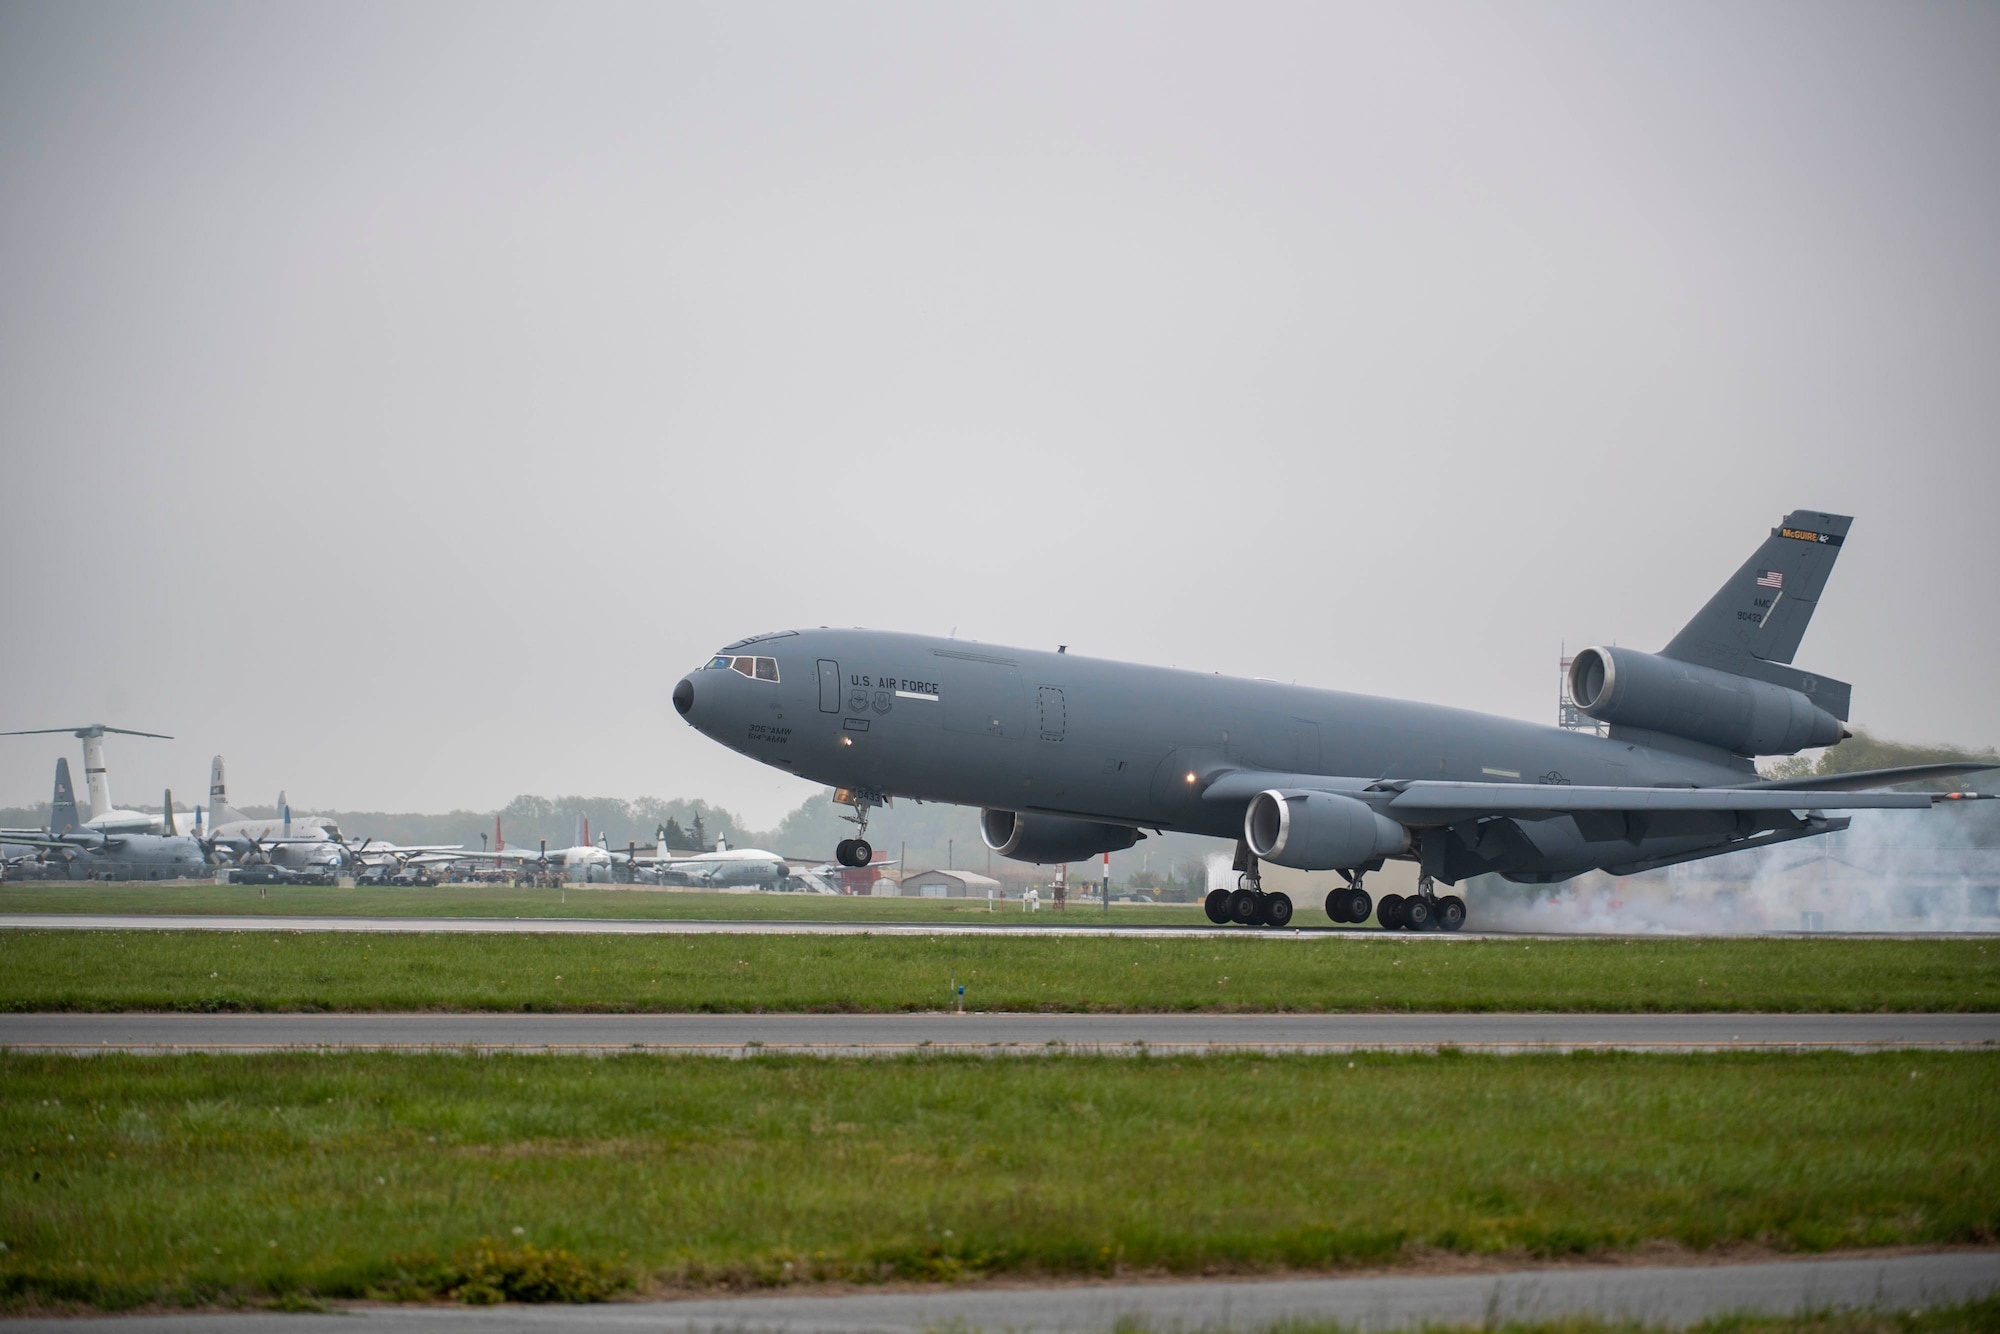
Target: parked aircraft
[
  {"x": 72, "y": 850},
  {"x": 306, "y": 843},
  {"x": 723, "y": 868},
  {"x": 1071, "y": 757},
  {"x": 582, "y": 863},
  {"x": 102, "y": 815}
]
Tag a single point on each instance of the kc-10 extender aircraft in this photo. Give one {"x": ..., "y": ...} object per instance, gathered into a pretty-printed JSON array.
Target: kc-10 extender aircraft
[{"x": 1071, "y": 756}]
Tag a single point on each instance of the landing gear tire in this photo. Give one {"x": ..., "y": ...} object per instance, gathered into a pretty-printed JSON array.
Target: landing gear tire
[
  {"x": 1216, "y": 905},
  {"x": 843, "y": 852},
  {"x": 1450, "y": 913},
  {"x": 1418, "y": 914},
  {"x": 1389, "y": 912},
  {"x": 1277, "y": 910},
  {"x": 1349, "y": 905},
  {"x": 862, "y": 852},
  {"x": 1244, "y": 908}
]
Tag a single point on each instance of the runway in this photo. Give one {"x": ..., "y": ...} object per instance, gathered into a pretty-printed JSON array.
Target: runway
[
  {"x": 643, "y": 926},
  {"x": 746, "y": 1035},
  {"x": 1653, "y": 1295}
]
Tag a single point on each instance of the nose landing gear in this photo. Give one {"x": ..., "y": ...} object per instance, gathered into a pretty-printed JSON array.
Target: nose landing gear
[{"x": 857, "y": 851}]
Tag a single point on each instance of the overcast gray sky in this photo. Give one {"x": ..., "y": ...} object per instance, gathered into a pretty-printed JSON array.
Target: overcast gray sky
[{"x": 399, "y": 398}]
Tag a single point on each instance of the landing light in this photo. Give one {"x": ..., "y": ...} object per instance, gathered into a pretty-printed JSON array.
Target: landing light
[
  {"x": 1190, "y": 778},
  {"x": 847, "y": 741}
]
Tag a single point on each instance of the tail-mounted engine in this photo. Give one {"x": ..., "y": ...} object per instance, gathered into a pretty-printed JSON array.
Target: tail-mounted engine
[
  {"x": 1628, "y": 688},
  {"x": 1319, "y": 831},
  {"x": 1052, "y": 838}
]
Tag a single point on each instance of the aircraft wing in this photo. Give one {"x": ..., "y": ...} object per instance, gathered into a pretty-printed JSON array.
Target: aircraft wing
[
  {"x": 41, "y": 838},
  {"x": 1866, "y": 778},
  {"x": 1426, "y": 801}
]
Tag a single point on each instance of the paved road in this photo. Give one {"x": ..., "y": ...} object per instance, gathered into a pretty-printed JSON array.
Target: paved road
[
  {"x": 1661, "y": 1296},
  {"x": 1001, "y": 1034},
  {"x": 1078, "y": 923}
]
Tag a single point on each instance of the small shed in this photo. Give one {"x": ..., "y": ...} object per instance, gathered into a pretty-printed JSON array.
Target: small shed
[{"x": 951, "y": 885}]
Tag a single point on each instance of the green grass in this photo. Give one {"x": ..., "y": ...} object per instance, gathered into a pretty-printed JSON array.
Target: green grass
[
  {"x": 294, "y": 970},
  {"x": 575, "y": 902},
  {"x": 126, "y": 1180}
]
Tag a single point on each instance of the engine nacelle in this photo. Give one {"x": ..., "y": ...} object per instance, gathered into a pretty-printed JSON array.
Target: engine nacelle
[
  {"x": 1634, "y": 689},
  {"x": 1319, "y": 831},
  {"x": 1051, "y": 838}
]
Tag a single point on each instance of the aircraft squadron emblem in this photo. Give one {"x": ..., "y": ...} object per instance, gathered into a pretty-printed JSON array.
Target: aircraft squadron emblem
[
  {"x": 857, "y": 702},
  {"x": 883, "y": 701}
]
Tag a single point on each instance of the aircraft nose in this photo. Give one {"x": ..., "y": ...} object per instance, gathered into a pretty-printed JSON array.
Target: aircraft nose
[{"x": 684, "y": 696}]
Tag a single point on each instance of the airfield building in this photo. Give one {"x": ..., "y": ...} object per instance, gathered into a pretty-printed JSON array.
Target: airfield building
[{"x": 951, "y": 885}]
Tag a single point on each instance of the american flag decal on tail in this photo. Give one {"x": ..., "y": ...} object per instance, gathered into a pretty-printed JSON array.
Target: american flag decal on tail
[{"x": 1771, "y": 579}]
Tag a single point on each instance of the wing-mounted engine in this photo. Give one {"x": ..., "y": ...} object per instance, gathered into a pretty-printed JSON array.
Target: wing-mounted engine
[
  {"x": 1320, "y": 831},
  {"x": 1628, "y": 688},
  {"x": 1034, "y": 837}
]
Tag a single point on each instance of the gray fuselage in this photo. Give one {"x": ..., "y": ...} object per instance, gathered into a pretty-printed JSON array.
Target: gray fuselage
[{"x": 1013, "y": 729}]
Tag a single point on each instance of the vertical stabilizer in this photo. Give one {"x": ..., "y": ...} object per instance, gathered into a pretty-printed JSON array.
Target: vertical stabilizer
[
  {"x": 220, "y": 812},
  {"x": 167, "y": 814},
  {"x": 1763, "y": 611},
  {"x": 94, "y": 774},
  {"x": 62, "y": 806}
]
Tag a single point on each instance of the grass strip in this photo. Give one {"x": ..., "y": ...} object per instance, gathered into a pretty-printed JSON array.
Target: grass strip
[
  {"x": 317, "y": 971},
  {"x": 196, "y": 1179},
  {"x": 573, "y": 902}
]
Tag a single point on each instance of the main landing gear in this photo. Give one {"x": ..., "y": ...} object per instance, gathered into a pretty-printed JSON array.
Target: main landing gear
[
  {"x": 1248, "y": 904},
  {"x": 856, "y": 851},
  {"x": 1426, "y": 910},
  {"x": 1351, "y": 904}
]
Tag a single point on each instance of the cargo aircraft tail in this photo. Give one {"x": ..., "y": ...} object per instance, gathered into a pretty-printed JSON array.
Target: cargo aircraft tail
[
  {"x": 1725, "y": 683},
  {"x": 220, "y": 812},
  {"x": 1761, "y": 614},
  {"x": 63, "y": 816}
]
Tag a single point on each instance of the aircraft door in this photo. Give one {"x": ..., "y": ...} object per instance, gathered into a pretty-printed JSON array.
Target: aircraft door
[
  {"x": 1054, "y": 713},
  {"x": 829, "y": 686}
]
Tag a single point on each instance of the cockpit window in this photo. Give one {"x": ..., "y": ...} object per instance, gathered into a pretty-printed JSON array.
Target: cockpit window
[{"x": 744, "y": 664}]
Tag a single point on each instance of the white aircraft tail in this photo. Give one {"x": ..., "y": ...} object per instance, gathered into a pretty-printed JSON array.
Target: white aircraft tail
[{"x": 220, "y": 812}]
